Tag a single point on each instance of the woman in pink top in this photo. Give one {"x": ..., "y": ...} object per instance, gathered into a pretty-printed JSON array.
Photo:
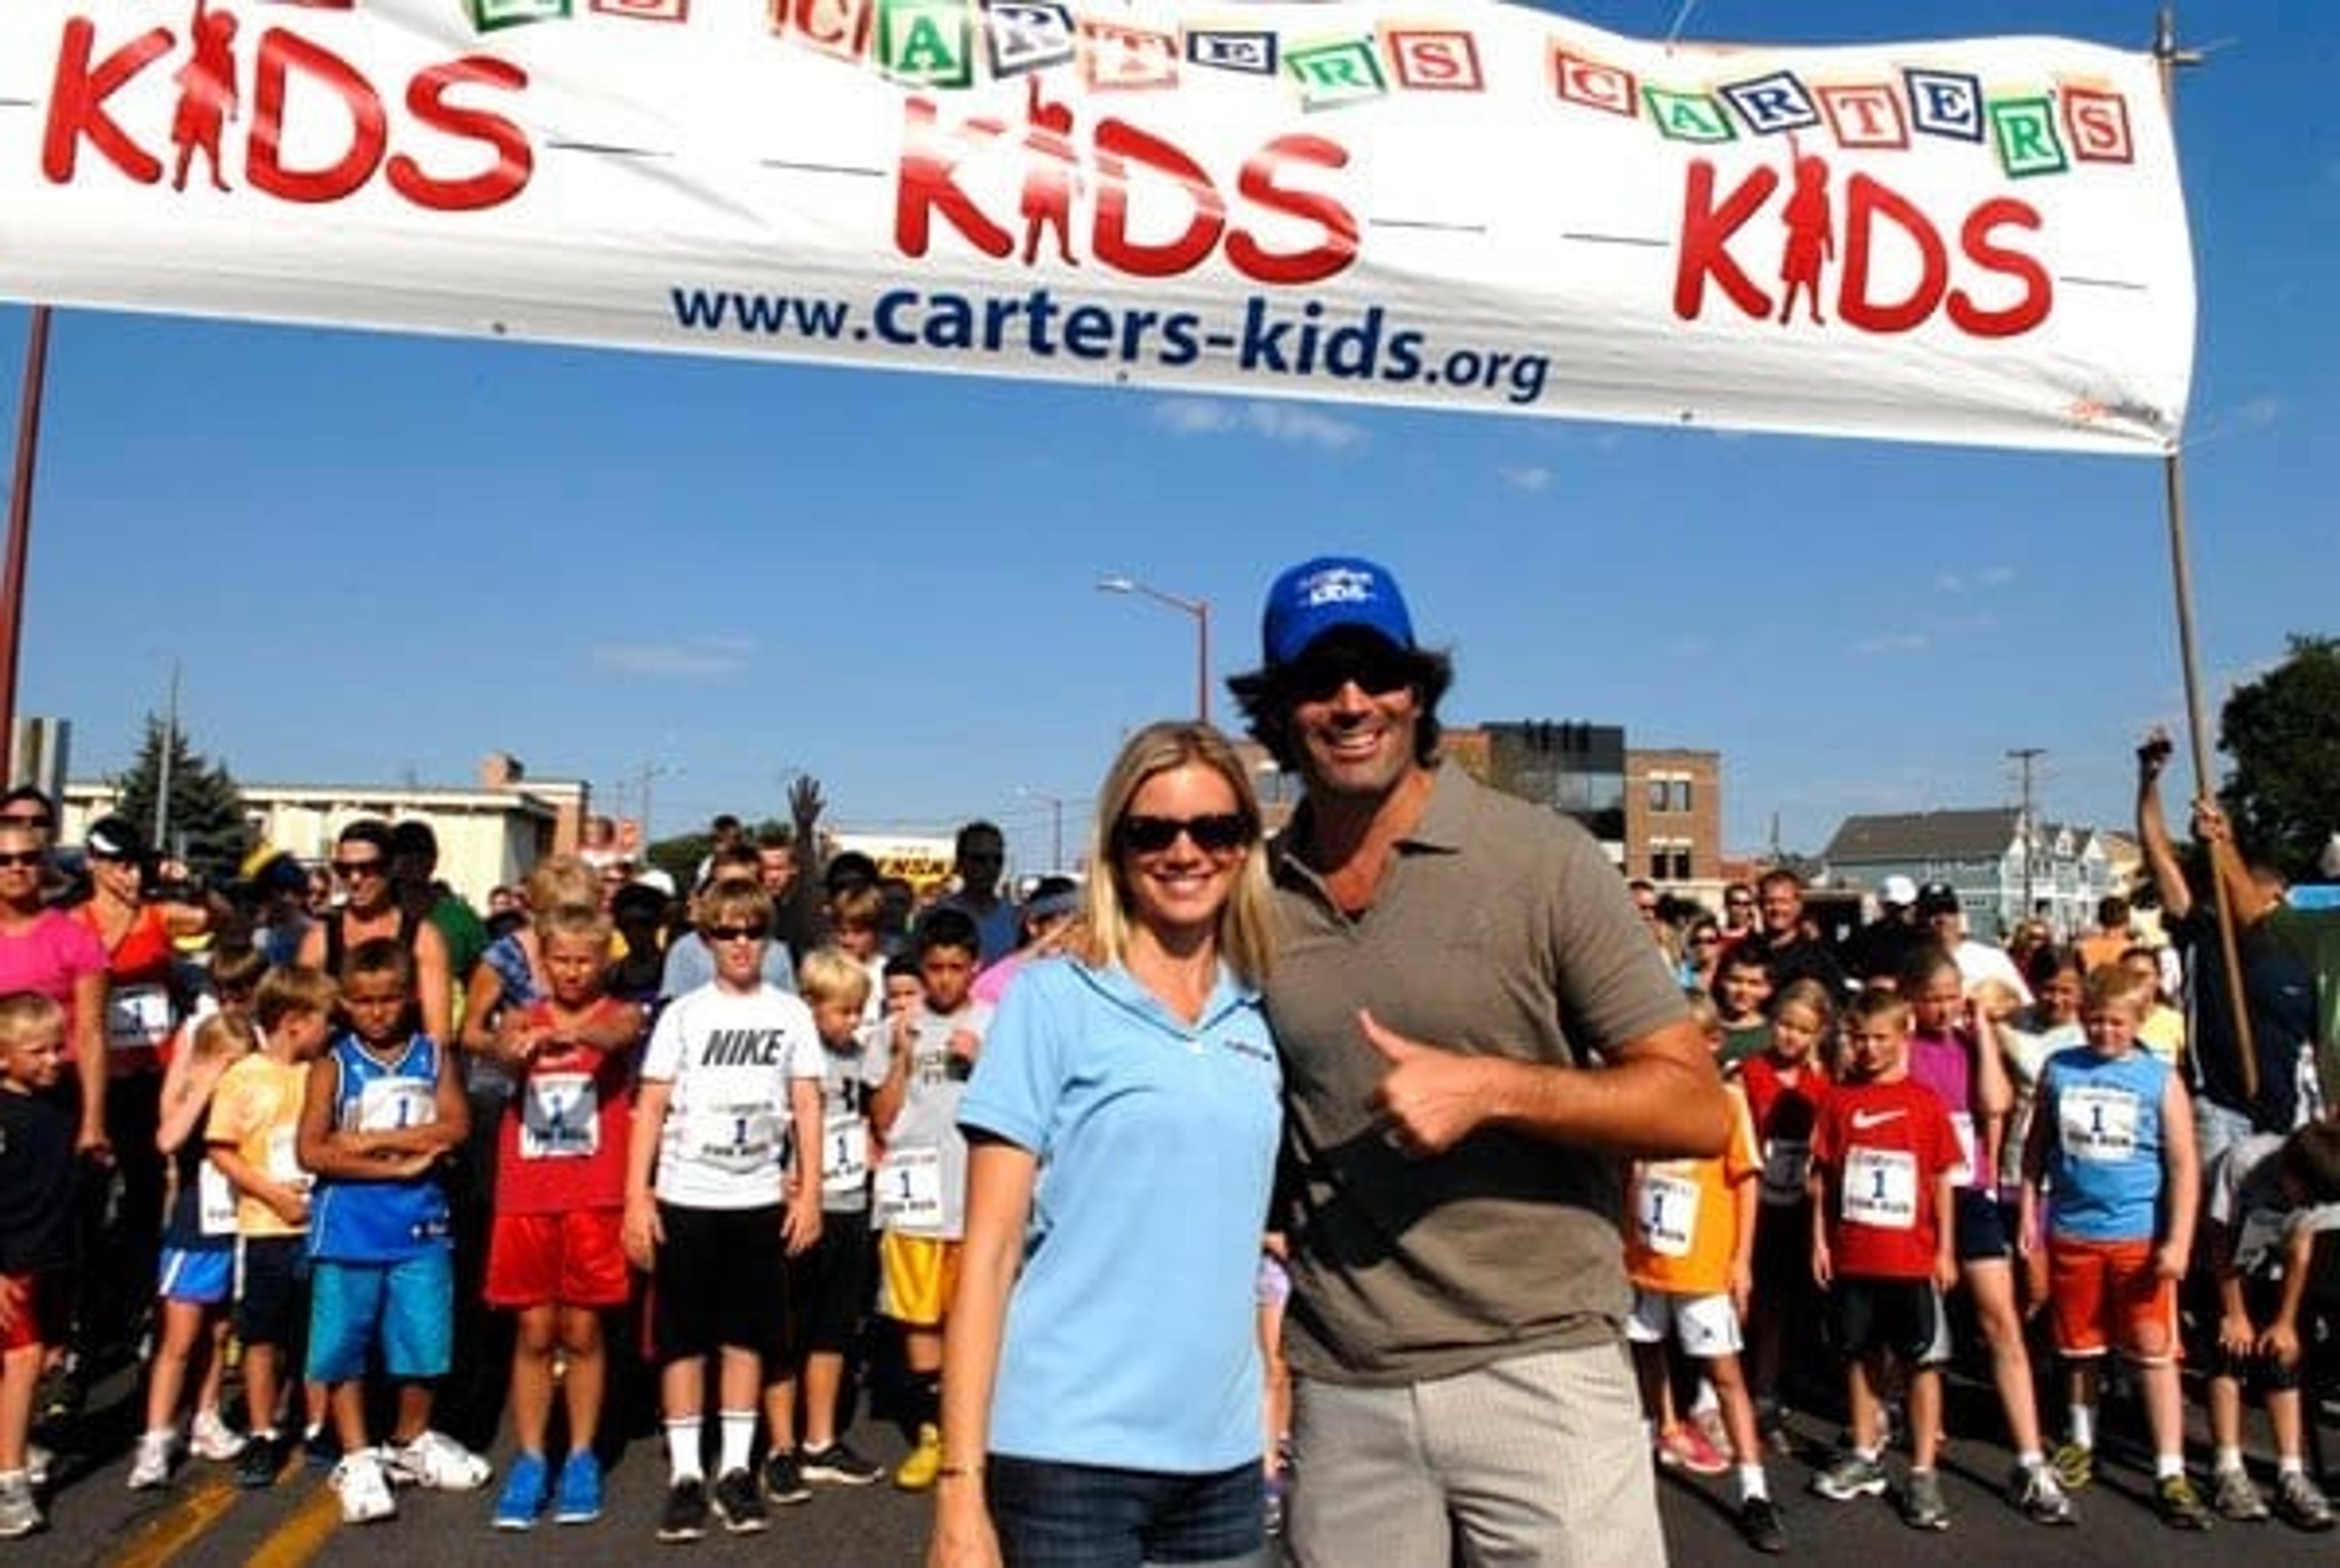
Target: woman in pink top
[{"x": 48, "y": 951}]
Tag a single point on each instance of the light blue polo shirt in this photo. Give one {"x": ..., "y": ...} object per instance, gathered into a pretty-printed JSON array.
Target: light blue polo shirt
[{"x": 1132, "y": 1336}]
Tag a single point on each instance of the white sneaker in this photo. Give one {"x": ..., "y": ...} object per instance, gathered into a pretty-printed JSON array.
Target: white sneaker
[
  {"x": 364, "y": 1489},
  {"x": 437, "y": 1460},
  {"x": 214, "y": 1439},
  {"x": 38, "y": 1463},
  {"x": 152, "y": 1467}
]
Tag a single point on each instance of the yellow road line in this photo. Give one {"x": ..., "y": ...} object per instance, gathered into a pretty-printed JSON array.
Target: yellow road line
[
  {"x": 302, "y": 1536},
  {"x": 171, "y": 1532}
]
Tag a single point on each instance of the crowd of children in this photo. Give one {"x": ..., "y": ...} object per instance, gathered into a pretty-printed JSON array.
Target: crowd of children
[{"x": 1931, "y": 1142}]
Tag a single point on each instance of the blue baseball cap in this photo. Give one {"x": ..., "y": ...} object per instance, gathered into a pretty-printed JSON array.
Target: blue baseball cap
[{"x": 1331, "y": 593}]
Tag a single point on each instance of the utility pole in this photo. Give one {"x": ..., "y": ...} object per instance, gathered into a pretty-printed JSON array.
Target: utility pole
[
  {"x": 2024, "y": 757},
  {"x": 163, "y": 769}
]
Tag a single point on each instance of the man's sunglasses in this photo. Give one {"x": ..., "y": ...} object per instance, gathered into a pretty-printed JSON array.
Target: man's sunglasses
[
  {"x": 358, "y": 868},
  {"x": 18, "y": 859},
  {"x": 1377, "y": 671},
  {"x": 1219, "y": 833}
]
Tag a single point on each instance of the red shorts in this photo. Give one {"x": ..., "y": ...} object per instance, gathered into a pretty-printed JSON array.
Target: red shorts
[
  {"x": 41, "y": 1311},
  {"x": 573, "y": 1258},
  {"x": 2103, "y": 1291}
]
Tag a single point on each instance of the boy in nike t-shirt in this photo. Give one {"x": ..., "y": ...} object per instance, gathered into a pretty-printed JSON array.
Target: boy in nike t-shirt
[{"x": 1883, "y": 1151}]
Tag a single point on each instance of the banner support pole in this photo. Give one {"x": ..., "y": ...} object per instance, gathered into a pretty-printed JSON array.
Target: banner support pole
[{"x": 20, "y": 528}]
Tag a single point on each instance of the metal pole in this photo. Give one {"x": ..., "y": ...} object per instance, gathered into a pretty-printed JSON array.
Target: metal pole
[
  {"x": 20, "y": 528},
  {"x": 2025, "y": 756},
  {"x": 1203, "y": 659},
  {"x": 163, "y": 769}
]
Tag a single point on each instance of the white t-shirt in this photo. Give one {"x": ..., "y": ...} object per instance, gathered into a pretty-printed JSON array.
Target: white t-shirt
[{"x": 729, "y": 1057}]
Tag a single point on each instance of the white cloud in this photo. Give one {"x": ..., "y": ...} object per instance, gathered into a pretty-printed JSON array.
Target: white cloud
[
  {"x": 1894, "y": 642},
  {"x": 1950, "y": 583},
  {"x": 1530, "y": 480},
  {"x": 2260, "y": 411},
  {"x": 1193, "y": 416},
  {"x": 706, "y": 658},
  {"x": 1997, "y": 576},
  {"x": 1961, "y": 582},
  {"x": 1288, "y": 422}
]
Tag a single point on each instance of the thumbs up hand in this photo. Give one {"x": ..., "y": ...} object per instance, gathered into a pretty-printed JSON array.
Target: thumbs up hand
[{"x": 1428, "y": 1099}]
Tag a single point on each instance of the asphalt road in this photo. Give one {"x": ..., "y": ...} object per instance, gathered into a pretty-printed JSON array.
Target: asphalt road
[{"x": 202, "y": 1520}]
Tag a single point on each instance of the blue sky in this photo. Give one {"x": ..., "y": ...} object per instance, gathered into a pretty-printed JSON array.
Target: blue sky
[{"x": 376, "y": 558}]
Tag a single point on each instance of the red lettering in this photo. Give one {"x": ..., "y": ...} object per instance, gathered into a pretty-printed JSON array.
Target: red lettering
[
  {"x": 1706, "y": 235},
  {"x": 78, "y": 98},
  {"x": 514, "y": 162},
  {"x": 1257, "y": 185},
  {"x": 2039, "y": 289},
  {"x": 928, "y": 181},
  {"x": 1867, "y": 202},
  {"x": 1118, "y": 144},
  {"x": 284, "y": 56}
]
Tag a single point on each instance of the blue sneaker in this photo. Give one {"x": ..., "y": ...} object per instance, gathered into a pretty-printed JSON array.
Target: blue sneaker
[
  {"x": 577, "y": 1500},
  {"x": 523, "y": 1495}
]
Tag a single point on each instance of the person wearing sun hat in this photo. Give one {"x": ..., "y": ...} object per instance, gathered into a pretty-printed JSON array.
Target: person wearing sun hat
[{"x": 1476, "y": 1033}]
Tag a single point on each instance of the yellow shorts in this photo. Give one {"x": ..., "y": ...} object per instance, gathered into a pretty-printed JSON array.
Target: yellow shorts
[{"x": 918, "y": 1274}]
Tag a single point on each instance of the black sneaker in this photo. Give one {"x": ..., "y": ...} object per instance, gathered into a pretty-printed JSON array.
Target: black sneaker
[
  {"x": 739, "y": 1505},
  {"x": 1759, "y": 1524},
  {"x": 784, "y": 1480},
  {"x": 839, "y": 1465},
  {"x": 684, "y": 1517},
  {"x": 263, "y": 1457}
]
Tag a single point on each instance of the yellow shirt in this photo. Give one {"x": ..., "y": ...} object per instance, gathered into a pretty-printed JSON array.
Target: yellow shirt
[
  {"x": 2163, "y": 1034},
  {"x": 256, "y": 1109}
]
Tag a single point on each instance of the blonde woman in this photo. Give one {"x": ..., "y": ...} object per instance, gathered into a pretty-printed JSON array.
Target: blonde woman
[{"x": 1101, "y": 1404}]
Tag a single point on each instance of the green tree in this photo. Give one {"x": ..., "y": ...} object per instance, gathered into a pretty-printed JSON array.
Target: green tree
[
  {"x": 205, "y": 824},
  {"x": 2282, "y": 734}
]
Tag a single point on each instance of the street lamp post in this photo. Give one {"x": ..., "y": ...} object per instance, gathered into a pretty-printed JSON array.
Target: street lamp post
[
  {"x": 1200, "y": 609},
  {"x": 1056, "y": 805}
]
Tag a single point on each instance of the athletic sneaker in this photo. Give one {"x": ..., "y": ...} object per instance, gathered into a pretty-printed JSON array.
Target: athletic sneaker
[
  {"x": 1922, "y": 1507},
  {"x": 917, "y": 1473},
  {"x": 19, "y": 1513},
  {"x": 1849, "y": 1477},
  {"x": 839, "y": 1465},
  {"x": 2234, "y": 1498},
  {"x": 362, "y": 1488},
  {"x": 2179, "y": 1505},
  {"x": 684, "y": 1517},
  {"x": 2299, "y": 1503},
  {"x": 263, "y": 1457},
  {"x": 739, "y": 1504},
  {"x": 2035, "y": 1489},
  {"x": 151, "y": 1468},
  {"x": 1759, "y": 1524},
  {"x": 1685, "y": 1446},
  {"x": 38, "y": 1463},
  {"x": 2075, "y": 1466},
  {"x": 437, "y": 1460},
  {"x": 522, "y": 1498},
  {"x": 577, "y": 1496},
  {"x": 214, "y": 1439},
  {"x": 320, "y": 1448},
  {"x": 784, "y": 1479}
]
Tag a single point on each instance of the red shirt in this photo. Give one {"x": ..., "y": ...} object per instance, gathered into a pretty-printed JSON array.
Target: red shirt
[
  {"x": 1785, "y": 1115},
  {"x": 139, "y": 1010},
  {"x": 1885, "y": 1148},
  {"x": 562, "y": 1142}
]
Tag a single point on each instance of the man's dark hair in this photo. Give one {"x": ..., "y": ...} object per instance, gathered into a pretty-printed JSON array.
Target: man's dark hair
[
  {"x": 776, "y": 836},
  {"x": 947, "y": 927},
  {"x": 2311, "y": 1156},
  {"x": 977, "y": 830},
  {"x": 36, "y": 795},
  {"x": 1780, "y": 875},
  {"x": 1265, "y": 699}
]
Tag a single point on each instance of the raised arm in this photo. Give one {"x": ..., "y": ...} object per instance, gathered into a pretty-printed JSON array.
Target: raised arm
[{"x": 2153, "y": 828}]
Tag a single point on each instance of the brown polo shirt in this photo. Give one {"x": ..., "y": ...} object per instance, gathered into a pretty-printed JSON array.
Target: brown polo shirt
[{"x": 1498, "y": 929}]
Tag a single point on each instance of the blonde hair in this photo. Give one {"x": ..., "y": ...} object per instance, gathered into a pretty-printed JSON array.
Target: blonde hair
[
  {"x": 560, "y": 880},
  {"x": 1246, "y": 927},
  {"x": 573, "y": 917},
  {"x": 739, "y": 899},
  {"x": 2116, "y": 984},
  {"x": 26, "y": 1016},
  {"x": 830, "y": 975},
  {"x": 224, "y": 1034},
  {"x": 294, "y": 988}
]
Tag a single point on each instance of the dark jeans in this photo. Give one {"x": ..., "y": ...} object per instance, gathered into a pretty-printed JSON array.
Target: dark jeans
[{"x": 1053, "y": 1515}]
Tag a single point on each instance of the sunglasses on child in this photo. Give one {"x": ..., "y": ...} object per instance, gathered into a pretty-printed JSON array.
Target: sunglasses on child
[
  {"x": 733, "y": 933},
  {"x": 1217, "y": 833}
]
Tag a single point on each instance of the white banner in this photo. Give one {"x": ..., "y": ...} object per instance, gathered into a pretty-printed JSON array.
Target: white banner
[{"x": 1464, "y": 205}]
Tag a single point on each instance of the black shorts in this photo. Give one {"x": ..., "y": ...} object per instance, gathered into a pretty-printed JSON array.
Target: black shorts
[
  {"x": 830, "y": 1289},
  {"x": 720, "y": 1282},
  {"x": 1783, "y": 1255},
  {"x": 2261, "y": 1375},
  {"x": 1900, "y": 1317},
  {"x": 271, "y": 1288},
  {"x": 1985, "y": 1226}
]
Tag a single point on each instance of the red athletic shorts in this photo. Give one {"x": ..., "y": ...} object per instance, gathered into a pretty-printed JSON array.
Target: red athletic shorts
[
  {"x": 2104, "y": 1291},
  {"x": 41, "y": 1311},
  {"x": 573, "y": 1258}
]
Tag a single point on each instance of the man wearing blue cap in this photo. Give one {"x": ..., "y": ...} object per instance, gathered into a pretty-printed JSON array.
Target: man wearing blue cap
[{"x": 1477, "y": 1033}]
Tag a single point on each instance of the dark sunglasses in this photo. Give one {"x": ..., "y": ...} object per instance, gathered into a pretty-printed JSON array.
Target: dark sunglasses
[
  {"x": 1219, "y": 833},
  {"x": 733, "y": 934},
  {"x": 358, "y": 868},
  {"x": 19, "y": 820},
  {"x": 22, "y": 857},
  {"x": 1378, "y": 672}
]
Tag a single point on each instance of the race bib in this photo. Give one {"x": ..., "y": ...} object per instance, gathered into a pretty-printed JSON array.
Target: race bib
[
  {"x": 1786, "y": 1162},
  {"x": 2097, "y": 1123},
  {"x": 739, "y": 1139},
  {"x": 844, "y": 1151},
  {"x": 215, "y": 1201},
  {"x": 1880, "y": 1188},
  {"x": 1669, "y": 1212},
  {"x": 911, "y": 1189},
  {"x": 560, "y": 1117},
  {"x": 137, "y": 1017},
  {"x": 1962, "y": 1125},
  {"x": 392, "y": 1105}
]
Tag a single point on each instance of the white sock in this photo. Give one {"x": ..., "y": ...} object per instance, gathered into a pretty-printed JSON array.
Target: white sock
[
  {"x": 2229, "y": 1458},
  {"x": 2083, "y": 1425},
  {"x": 2166, "y": 1465},
  {"x": 682, "y": 1450},
  {"x": 2286, "y": 1465},
  {"x": 738, "y": 1437},
  {"x": 2031, "y": 1459},
  {"x": 1751, "y": 1482}
]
